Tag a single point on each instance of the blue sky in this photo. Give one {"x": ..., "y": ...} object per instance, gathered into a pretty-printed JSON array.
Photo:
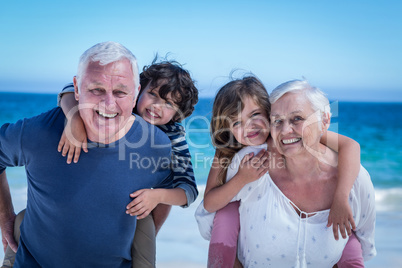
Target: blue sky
[{"x": 352, "y": 50}]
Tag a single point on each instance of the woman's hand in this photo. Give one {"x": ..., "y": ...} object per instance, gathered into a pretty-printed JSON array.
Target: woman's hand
[
  {"x": 253, "y": 167},
  {"x": 73, "y": 139},
  {"x": 145, "y": 200},
  {"x": 341, "y": 218}
]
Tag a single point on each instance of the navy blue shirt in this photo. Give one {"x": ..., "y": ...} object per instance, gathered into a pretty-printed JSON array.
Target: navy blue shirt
[{"x": 75, "y": 214}]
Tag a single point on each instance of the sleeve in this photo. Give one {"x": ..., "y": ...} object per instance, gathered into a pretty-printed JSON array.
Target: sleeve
[
  {"x": 11, "y": 153},
  {"x": 205, "y": 221},
  {"x": 183, "y": 174},
  {"x": 69, "y": 88},
  {"x": 363, "y": 207}
]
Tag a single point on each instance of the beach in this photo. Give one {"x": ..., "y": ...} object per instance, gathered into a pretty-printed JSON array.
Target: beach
[{"x": 179, "y": 243}]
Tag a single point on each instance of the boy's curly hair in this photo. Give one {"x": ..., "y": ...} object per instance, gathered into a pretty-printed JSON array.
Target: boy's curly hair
[{"x": 173, "y": 79}]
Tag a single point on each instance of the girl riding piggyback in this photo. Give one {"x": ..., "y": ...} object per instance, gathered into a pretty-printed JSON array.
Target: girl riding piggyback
[{"x": 240, "y": 117}]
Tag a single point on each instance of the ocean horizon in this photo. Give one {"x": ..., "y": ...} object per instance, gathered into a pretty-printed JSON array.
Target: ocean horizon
[{"x": 377, "y": 126}]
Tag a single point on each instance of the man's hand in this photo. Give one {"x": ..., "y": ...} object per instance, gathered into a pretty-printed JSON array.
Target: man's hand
[
  {"x": 145, "y": 200},
  {"x": 7, "y": 233}
]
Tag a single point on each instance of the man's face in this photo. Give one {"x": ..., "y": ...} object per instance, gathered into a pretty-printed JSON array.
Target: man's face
[{"x": 106, "y": 99}]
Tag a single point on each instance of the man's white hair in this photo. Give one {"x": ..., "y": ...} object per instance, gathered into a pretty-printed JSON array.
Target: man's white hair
[{"x": 105, "y": 53}]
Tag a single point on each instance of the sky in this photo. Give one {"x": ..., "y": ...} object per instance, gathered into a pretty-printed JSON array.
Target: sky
[{"x": 352, "y": 50}]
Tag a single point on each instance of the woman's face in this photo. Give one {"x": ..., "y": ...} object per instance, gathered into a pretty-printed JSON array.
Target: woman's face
[{"x": 295, "y": 127}]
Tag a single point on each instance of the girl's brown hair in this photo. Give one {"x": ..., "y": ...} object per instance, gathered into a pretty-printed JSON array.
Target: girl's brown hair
[{"x": 228, "y": 103}]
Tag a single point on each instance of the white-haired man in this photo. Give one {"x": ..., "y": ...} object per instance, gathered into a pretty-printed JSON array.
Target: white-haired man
[{"x": 75, "y": 214}]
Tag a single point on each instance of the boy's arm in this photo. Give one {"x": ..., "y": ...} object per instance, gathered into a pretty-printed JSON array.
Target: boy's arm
[
  {"x": 145, "y": 200},
  {"x": 348, "y": 169},
  {"x": 74, "y": 136},
  {"x": 183, "y": 173},
  {"x": 184, "y": 192}
]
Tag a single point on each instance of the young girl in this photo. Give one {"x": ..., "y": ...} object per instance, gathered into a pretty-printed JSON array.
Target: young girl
[
  {"x": 167, "y": 96},
  {"x": 231, "y": 130}
]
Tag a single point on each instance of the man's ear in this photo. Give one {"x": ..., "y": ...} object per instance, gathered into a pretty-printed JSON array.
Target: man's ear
[{"x": 76, "y": 92}]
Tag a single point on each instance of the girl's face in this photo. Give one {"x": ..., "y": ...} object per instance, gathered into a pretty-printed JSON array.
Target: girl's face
[
  {"x": 155, "y": 110},
  {"x": 251, "y": 126}
]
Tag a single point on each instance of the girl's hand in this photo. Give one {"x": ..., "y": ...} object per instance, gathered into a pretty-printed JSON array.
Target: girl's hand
[
  {"x": 341, "y": 217},
  {"x": 73, "y": 139},
  {"x": 252, "y": 168},
  {"x": 145, "y": 200}
]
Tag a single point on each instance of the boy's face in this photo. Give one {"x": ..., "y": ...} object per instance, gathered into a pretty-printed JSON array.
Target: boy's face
[{"x": 155, "y": 110}]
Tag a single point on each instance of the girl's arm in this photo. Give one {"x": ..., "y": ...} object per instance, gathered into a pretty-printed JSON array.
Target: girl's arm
[
  {"x": 74, "y": 136},
  {"x": 348, "y": 169},
  {"x": 251, "y": 168}
]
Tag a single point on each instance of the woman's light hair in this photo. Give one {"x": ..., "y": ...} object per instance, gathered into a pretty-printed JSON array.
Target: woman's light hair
[
  {"x": 316, "y": 97},
  {"x": 105, "y": 53}
]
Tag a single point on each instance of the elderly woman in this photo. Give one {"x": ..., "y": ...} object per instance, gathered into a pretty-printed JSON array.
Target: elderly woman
[{"x": 284, "y": 214}]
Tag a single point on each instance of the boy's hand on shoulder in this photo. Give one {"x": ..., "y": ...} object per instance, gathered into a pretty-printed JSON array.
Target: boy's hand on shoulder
[
  {"x": 73, "y": 139},
  {"x": 145, "y": 200},
  {"x": 71, "y": 149}
]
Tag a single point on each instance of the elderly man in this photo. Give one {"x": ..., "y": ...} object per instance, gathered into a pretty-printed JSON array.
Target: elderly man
[{"x": 75, "y": 214}]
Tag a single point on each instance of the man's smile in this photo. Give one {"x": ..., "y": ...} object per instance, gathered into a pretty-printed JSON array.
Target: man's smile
[{"x": 106, "y": 115}]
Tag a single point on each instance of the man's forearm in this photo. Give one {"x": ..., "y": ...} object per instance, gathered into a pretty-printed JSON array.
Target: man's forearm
[{"x": 6, "y": 204}]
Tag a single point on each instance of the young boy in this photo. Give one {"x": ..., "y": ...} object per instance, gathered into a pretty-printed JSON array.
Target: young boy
[{"x": 167, "y": 96}]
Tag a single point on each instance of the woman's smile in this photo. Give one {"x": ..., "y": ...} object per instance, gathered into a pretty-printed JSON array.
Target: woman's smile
[{"x": 290, "y": 141}]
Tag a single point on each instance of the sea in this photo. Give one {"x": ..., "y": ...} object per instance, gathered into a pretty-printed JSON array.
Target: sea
[{"x": 377, "y": 127}]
